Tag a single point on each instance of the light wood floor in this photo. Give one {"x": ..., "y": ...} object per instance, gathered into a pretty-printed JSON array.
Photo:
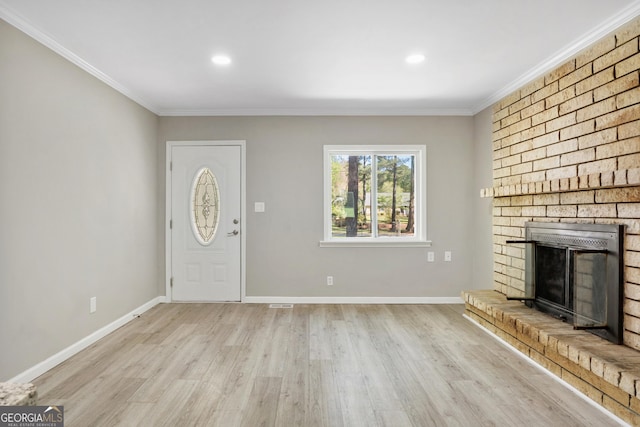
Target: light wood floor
[{"x": 313, "y": 365}]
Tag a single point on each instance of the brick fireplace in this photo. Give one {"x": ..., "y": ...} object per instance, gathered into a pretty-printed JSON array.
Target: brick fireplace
[{"x": 566, "y": 148}]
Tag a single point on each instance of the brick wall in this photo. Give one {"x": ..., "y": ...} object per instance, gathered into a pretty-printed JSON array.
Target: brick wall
[{"x": 566, "y": 147}]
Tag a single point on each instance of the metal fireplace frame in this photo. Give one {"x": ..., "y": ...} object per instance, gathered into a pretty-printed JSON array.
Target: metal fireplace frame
[{"x": 601, "y": 238}]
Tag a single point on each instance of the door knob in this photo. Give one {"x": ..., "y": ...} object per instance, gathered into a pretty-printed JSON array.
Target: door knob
[{"x": 233, "y": 233}]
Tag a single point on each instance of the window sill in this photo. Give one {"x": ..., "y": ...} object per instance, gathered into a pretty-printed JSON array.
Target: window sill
[{"x": 375, "y": 244}]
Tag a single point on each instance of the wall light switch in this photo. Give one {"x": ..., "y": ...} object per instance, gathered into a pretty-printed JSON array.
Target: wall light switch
[
  {"x": 92, "y": 305},
  {"x": 447, "y": 255},
  {"x": 431, "y": 256},
  {"x": 258, "y": 207}
]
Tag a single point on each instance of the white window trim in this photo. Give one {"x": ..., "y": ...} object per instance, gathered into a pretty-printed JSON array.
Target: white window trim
[{"x": 420, "y": 237}]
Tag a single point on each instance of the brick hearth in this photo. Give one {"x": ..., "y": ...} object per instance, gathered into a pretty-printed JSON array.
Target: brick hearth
[{"x": 607, "y": 373}]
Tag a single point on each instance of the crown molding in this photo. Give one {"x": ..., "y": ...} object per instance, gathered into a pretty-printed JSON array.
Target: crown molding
[
  {"x": 318, "y": 112},
  {"x": 572, "y": 49},
  {"x": 26, "y": 27}
]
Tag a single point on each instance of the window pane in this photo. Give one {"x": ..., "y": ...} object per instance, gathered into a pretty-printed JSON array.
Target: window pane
[
  {"x": 374, "y": 192},
  {"x": 396, "y": 195},
  {"x": 350, "y": 196}
]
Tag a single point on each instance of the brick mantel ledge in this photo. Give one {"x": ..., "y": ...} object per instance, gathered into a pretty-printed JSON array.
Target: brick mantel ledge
[
  {"x": 607, "y": 373},
  {"x": 618, "y": 178}
]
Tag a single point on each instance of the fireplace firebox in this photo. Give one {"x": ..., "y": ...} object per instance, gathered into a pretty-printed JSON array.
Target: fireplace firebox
[{"x": 574, "y": 272}]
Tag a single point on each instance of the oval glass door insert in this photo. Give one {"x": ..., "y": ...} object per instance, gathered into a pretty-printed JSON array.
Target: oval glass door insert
[{"x": 205, "y": 206}]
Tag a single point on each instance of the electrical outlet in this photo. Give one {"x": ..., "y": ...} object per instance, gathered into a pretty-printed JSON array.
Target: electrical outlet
[
  {"x": 447, "y": 256},
  {"x": 329, "y": 280},
  {"x": 92, "y": 305},
  {"x": 431, "y": 256}
]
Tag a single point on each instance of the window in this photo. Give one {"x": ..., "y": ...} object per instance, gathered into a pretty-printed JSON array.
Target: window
[{"x": 374, "y": 195}]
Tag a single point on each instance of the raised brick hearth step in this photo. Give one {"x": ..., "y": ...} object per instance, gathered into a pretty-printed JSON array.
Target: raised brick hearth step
[
  {"x": 607, "y": 373},
  {"x": 12, "y": 394}
]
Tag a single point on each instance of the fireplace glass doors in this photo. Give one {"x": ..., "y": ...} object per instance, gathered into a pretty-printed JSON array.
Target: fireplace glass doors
[{"x": 574, "y": 272}]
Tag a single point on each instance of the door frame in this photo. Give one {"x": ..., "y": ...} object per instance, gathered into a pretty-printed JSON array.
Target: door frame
[{"x": 243, "y": 209}]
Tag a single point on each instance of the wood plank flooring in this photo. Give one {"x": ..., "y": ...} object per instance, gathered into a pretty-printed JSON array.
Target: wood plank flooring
[{"x": 310, "y": 365}]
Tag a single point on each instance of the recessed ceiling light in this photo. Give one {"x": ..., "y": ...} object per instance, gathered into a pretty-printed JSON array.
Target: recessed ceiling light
[
  {"x": 416, "y": 58},
  {"x": 221, "y": 60}
]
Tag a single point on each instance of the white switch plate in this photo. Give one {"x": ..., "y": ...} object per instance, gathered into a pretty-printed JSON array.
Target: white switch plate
[
  {"x": 259, "y": 207},
  {"x": 447, "y": 256},
  {"x": 92, "y": 305},
  {"x": 431, "y": 256}
]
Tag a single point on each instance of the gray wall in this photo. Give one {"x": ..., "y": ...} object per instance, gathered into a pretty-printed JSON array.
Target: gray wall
[
  {"x": 78, "y": 198},
  {"x": 483, "y": 215},
  {"x": 284, "y": 170}
]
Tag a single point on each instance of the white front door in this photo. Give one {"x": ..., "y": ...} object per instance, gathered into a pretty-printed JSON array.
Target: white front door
[{"x": 206, "y": 222}]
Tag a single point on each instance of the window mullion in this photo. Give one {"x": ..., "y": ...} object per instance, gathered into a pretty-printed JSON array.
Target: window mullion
[{"x": 374, "y": 195}]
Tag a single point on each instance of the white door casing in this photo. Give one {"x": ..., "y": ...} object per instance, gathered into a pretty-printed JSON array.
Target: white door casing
[{"x": 199, "y": 269}]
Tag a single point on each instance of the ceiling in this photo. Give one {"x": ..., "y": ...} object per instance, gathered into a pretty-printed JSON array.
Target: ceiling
[{"x": 303, "y": 57}]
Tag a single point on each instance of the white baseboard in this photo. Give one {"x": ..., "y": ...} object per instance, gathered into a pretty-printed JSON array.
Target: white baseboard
[
  {"x": 42, "y": 367},
  {"x": 353, "y": 300}
]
